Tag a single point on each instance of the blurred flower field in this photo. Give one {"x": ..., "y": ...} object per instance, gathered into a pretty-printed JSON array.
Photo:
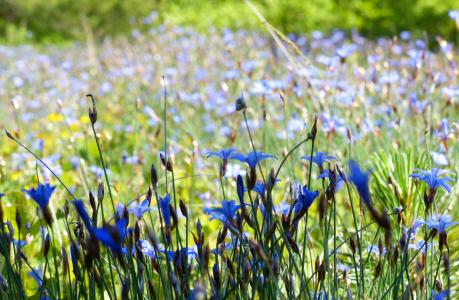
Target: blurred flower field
[{"x": 230, "y": 165}]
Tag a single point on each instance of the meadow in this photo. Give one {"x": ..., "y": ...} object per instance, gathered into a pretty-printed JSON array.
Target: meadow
[{"x": 234, "y": 164}]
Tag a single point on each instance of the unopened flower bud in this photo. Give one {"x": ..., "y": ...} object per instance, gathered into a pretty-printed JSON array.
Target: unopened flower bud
[
  {"x": 240, "y": 104},
  {"x": 93, "y": 110},
  {"x": 47, "y": 245}
]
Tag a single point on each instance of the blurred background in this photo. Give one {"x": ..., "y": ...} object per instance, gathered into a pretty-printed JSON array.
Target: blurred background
[{"x": 61, "y": 21}]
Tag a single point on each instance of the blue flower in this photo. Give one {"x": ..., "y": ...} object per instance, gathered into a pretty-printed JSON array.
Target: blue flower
[
  {"x": 413, "y": 230},
  {"x": 440, "y": 223},
  {"x": 190, "y": 253},
  {"x": 41, "y": 194},
  {"x": 165, "y": 209},
  {"x": 421, "y": 246},
  {"x": 146, "y": 248},
  {"x": 360, "y": 179},
  {"x": 74, "y": 253},
  {"x": 1, "y": 195},
  {"x": 283, "y": 208},
  {"x": 37, "y": 275},
  {"x": 327, "y": 174},
  {"x": 223, "y": 154},
  {"x": 119, "y": 210},
  {"x": 121, "y": 226},
  {"x": 104, "y": 236},
  {"x": 109, "y": 235},
  {"x": 319, "y": 159},
  {"x": 226, "y": 213},
  {"x": 138, "y": 210},
  {"x": 260, "y": 188},
  {"x": 79, "y": 205},
  {"x": 112, "y": 236},
  {"x": 252, "y": 158},
  {"x": 20, "y": 243},
  {"x": 440, "y": 295},
  {"x": 433, "y": 179},
  {"x": 304, "y": 200}
]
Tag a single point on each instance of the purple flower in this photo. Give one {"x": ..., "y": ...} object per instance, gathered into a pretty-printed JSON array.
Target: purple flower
[
  {"x": 252, "y": 158},
  {"x": 41, "y": 194},
  {"x": 433, "y": 179}
]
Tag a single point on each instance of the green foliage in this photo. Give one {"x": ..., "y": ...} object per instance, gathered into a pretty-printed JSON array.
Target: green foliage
[
  {"x": 61, "y": 20},
  {"x": 393, "y": 186}
]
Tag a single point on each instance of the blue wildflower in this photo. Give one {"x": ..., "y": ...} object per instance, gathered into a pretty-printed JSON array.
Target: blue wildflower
[
  {"x": 360, "y": 180},
  {"x": 374, "y": 249},
  {"x": 413, "y": 230},
  {"x": 138, "y": 210},
  {"x": 223, "y": 154},
  {"x": 440, "y": 223},
  {"x": 260, "y": 188},
  {"x": 109, "y": 235},
  {"x": 327, "y": 174},
  {"x": 283, "y": 208},
  {"x": 421, "y": 246},
  {"x": 165, "y": 209},
  {"x": 440, "y": 295},
  {"x": 37, "y": 275},
  {"x": 146, "y": 248},
  {"x": 20, "y": 243},
  {"x": 74, "y": 255},
  {"x": 112, "y": 236},
  {"x": 226, "y": 213},
  {"x": 252, "y": 158},
  {"x": 304, "y": 200},
  {"x": 41, "y": 194},
  {"x": 119, "y": 210},
  {"x": 79, "y": 205},
  {"x": 104, "y": 235},
  {"x": 319, "y": 159},
  {"x": 433, "y": 179},
  {"x": 188, "y": 252}
]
